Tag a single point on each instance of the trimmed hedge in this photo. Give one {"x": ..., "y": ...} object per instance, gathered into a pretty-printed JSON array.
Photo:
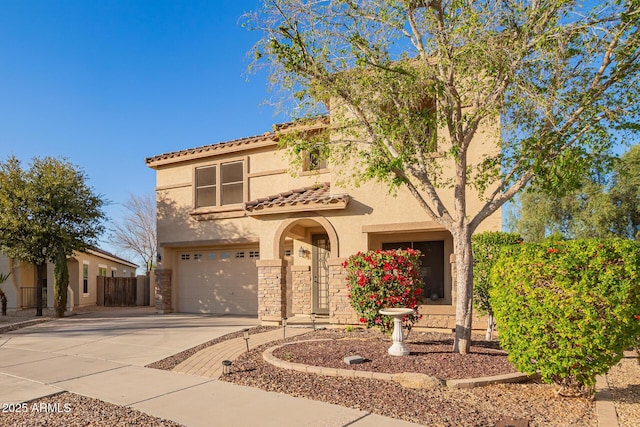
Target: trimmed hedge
[
  {"x": 568, "y": 310},
  {"x": 486, "y": 251}
]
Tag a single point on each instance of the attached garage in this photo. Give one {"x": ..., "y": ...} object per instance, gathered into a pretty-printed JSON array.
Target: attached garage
[{"x": 218, "y": 281}]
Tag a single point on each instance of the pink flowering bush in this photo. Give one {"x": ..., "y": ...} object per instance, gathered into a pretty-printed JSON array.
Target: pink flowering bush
[{"x": 384, "y": 279}]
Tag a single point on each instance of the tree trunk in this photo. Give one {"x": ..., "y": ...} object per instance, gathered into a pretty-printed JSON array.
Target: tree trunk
[
  {"x": 490, "y": 325},
  {"x": 60, "y": 284},
  {"x": 464, "y": 288},
  {"x": 39, "y": 277}
]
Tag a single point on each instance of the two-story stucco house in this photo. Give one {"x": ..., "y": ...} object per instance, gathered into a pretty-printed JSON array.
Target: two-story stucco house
[{"x": 239, "y": 234}]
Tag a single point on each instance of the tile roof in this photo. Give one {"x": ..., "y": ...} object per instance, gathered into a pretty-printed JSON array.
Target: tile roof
[
  {"x": 267, "y": 136},
  {"x": 313, "y": 196},
  {"x": 102, "y": 252},
  {"x": 239, "y": 143}
]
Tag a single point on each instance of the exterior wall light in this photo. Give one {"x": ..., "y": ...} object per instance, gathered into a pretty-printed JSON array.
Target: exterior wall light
[{"x": 303, "y": 253}]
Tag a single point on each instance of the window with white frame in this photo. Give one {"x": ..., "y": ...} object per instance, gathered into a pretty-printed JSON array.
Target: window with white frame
[
  {"x": 221, "y": 184},
  {"x": 85, "y": 278},
  {"x": 102, "y": 270}
]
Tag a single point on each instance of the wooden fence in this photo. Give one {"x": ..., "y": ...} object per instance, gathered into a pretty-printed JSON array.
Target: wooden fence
[
  {"x": 29, "y": 297},
  {"x": 117, "y": 291}
]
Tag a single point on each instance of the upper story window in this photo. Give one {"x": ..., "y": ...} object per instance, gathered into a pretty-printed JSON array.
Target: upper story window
[
  {"x": 219, "y": 185},
  {"x": 314, "y": 160},
  {"x": 85, "y": 278}
]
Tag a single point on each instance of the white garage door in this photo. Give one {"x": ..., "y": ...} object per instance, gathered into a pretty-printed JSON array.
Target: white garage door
[{"x": 218, "y": 281}]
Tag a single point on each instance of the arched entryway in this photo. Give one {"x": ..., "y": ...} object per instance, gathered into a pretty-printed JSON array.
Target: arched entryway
[{"x": 308, "y": 243}]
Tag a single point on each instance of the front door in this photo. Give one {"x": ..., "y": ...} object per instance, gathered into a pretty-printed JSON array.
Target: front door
[{"x": 320, "y": 269}]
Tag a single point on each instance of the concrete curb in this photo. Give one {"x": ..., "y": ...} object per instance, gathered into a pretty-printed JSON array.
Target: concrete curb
[
  {"x": 268, "y": 356},
  {"x": 9, "y": 327},
  {"x": 605, "y": 408}
]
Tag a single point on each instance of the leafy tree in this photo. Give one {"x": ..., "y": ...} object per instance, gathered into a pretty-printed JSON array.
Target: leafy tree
[
  {"x": 137, "y": 231},
  {"x": 625, "y": 193},
  {"x": 604, "y": 206},
  {"x": 586, "y": 212},
  {"x": 414, "y": 86},
  {"x": 486, "y": 250},
  {"x": 46, "y": 211}
]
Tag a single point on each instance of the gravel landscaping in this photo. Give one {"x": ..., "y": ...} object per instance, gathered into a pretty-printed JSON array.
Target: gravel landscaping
[
  {"x": 430, "y": 354},
  {"x": 624, "y": 382},
  {"x": 437, "y": 406},
  {"x": 73, "y": 410}
]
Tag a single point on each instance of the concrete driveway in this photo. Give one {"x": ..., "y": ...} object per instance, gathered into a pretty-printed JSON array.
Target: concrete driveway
[{"x": 102, "y": 355}]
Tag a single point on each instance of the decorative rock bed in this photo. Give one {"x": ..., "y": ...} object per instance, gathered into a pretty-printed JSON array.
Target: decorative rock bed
[{"x": 406, "y": 379}]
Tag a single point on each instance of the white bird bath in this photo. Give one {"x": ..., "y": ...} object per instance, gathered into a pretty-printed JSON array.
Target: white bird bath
[{"x": 397, "y": 348}]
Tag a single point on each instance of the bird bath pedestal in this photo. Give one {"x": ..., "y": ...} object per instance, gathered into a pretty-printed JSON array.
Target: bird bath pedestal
[{"x": 397, "y": 348}]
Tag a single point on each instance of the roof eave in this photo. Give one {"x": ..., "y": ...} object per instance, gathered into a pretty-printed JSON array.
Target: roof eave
[
  {"x": 208, "y": 151},
  {"x": 306, "y": 207}
]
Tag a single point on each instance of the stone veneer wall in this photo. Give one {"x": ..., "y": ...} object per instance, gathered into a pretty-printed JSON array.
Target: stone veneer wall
[
  {"x": 272, "y": 290},
  {"x": 163, "y": 290},
  {"x": 340, "y": 311},
  {"x": 301, "y": 289}
]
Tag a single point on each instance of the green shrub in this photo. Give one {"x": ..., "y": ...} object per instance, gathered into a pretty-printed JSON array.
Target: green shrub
[
  {"x": 569, "y": 309},
  {"x": 383, "y": 279},
  {"x": 486, "y": 250}
]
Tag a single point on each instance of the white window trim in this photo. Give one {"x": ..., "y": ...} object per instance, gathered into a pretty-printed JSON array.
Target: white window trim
[
  {"x": 84, "y": 294},
  {"x": 102, "y": 266}
]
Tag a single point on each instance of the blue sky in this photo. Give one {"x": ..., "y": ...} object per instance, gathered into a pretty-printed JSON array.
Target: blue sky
[{"x": 107, "y": 83}]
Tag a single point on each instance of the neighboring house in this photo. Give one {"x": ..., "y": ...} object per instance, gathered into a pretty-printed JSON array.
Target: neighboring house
[
  {"x": 238, "y": 234},
  {"x": 84, "y": 268}
]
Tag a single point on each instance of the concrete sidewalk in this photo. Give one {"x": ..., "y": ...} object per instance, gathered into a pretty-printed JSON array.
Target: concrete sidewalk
[{"x": 103, "y": 356}]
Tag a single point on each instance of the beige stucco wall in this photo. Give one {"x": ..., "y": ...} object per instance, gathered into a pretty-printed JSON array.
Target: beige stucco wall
[
  {"x": 24, "y": 275},
  {"x": 372, "y": 217},
  {"x": 94, "y": 262}
]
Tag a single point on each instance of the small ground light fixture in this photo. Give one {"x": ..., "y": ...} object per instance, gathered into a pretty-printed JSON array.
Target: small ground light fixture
[
  {"x": 313, "y": 320},
  {"x": 284, "y": 328},
  {"x": 226, "y": 367},
  {"x": 245, "y": 335}
]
